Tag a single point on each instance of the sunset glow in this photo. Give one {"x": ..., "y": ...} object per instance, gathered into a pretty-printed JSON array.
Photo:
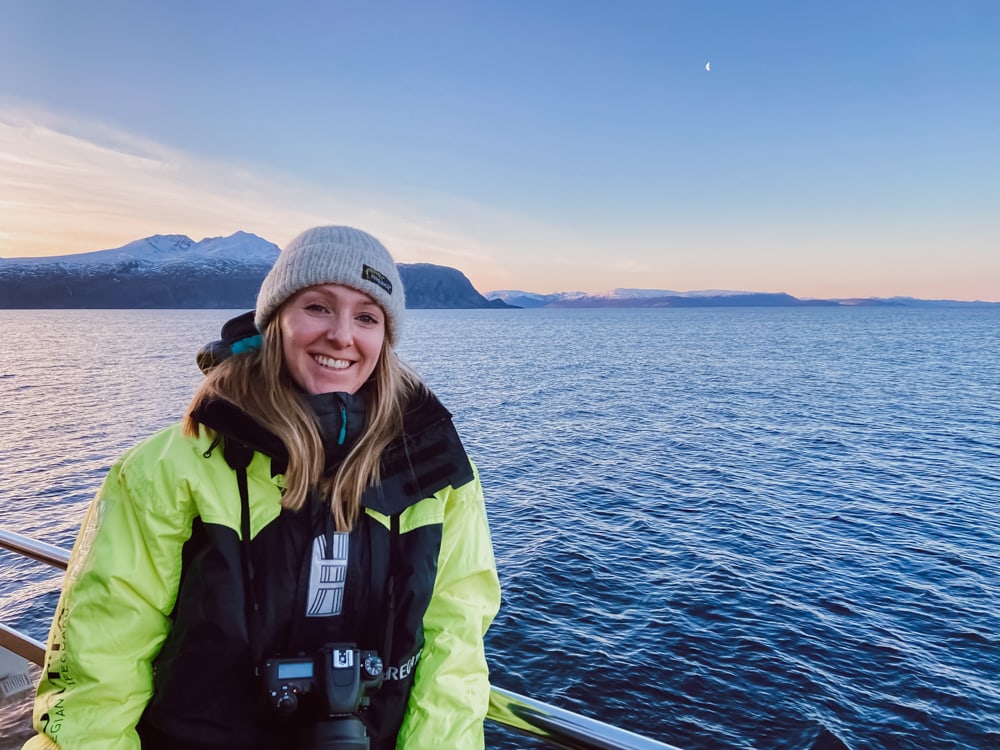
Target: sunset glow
[{"x": 523, "y": 152}]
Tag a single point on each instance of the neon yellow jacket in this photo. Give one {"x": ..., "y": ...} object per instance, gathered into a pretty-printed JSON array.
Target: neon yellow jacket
[{"x": 124, "y": 626}]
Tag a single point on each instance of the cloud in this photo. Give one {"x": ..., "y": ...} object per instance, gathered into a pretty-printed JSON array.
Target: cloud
[
  {"x": 63, "y": 193},
  {"x": 68, "y": 186}
]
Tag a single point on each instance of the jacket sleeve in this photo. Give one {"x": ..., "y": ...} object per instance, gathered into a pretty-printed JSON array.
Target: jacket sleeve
[
  {"x": 451, "y": 687},
  {"x": 112, "y": 614}
]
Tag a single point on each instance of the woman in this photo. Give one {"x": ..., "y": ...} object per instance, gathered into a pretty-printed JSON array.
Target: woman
[{"x": 314, "y": 511}]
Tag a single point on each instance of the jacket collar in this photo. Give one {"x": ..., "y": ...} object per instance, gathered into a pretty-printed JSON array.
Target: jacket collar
[{"x": 423, "y": 412}]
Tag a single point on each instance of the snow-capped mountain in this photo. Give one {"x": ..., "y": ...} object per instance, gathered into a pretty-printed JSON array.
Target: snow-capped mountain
[
  {"x": 174, "y": 271},
  {"x": 531, "y": 299},
  {"x": 619, "y": 293},
  {"x": 627, "y": 293},
  {"x": 163, "y": 249},
  {"x": 620, "y": 296},
  {"x": 626, "y": 297}
]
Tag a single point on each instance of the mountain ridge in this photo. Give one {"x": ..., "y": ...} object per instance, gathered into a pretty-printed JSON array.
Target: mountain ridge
[
  {"x": 709, "y": 298},
  {"x": 175, "y": 271}
]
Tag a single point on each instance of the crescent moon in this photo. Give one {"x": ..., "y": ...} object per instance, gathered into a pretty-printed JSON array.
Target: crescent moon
[{"x": 708, "y": 66}]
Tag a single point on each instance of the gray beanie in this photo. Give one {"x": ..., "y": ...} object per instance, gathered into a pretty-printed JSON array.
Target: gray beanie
[{"x": 334, "y": 255}]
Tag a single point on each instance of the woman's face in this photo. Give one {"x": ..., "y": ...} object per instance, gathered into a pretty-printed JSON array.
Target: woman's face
[{"x": 332, "y": 337}]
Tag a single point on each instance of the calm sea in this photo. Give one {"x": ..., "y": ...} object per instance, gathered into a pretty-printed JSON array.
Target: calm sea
[{"x": 721, "y": 528}]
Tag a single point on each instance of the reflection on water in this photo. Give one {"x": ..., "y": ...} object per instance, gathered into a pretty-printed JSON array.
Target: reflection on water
[{"x": 720, "y": 528}]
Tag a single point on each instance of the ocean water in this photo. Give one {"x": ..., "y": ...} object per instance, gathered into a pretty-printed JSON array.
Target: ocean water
[{"x": 720, "y": 528}]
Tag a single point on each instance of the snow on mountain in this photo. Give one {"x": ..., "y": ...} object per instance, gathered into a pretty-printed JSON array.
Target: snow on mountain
[
  {"x": 516, "y": 296},
  {"x": 626, "y": 293},
  {"x": 532, "y": 299},
  {"x": 241, "y": 246},
  {"x": 173, "y": 271},
  {"x": 165, "y": 249}
]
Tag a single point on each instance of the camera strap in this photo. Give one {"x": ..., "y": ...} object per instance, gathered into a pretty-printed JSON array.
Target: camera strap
[
  {"x": 390, "y": 593},
  {"x": 238, "y": 456}
]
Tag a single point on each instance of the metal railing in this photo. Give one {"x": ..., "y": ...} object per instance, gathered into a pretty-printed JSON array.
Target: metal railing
[{"x": 551, "y": 724}]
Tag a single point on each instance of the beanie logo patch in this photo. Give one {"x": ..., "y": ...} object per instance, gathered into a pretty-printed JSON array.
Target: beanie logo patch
[{"x": 370, "y": 274}]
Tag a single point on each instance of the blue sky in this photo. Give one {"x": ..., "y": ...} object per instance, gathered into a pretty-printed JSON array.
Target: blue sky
[{"x": 834, "y": 149}]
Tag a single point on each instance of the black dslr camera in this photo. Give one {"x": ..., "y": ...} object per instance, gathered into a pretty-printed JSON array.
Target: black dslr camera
[{"x": 335, "y": 683}]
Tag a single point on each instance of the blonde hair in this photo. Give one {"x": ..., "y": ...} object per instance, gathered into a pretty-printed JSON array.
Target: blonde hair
[{"x": 259, "y": 383}]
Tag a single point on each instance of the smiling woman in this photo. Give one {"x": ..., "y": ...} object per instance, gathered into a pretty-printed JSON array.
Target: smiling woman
[
  {"x": 315, "y": 510},
  {"x": 331, "y": 338}
]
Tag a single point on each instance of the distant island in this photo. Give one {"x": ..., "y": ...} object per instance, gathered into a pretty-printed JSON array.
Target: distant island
[
  {"x": 709, "y": 298},
  {"x": 175, "y": 272}
]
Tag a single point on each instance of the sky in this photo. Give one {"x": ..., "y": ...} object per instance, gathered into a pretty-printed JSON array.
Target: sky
[{"x": 833, "y": 149}]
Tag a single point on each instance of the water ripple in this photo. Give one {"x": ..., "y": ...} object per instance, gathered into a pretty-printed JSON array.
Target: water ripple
[{"x": 719, "y": 528}]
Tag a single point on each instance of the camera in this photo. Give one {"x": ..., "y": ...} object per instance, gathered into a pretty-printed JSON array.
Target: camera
[{"x": 335, "y": 683}]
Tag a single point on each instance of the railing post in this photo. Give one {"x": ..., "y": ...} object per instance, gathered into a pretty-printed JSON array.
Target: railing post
[{"x": 22, "y": 645}]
